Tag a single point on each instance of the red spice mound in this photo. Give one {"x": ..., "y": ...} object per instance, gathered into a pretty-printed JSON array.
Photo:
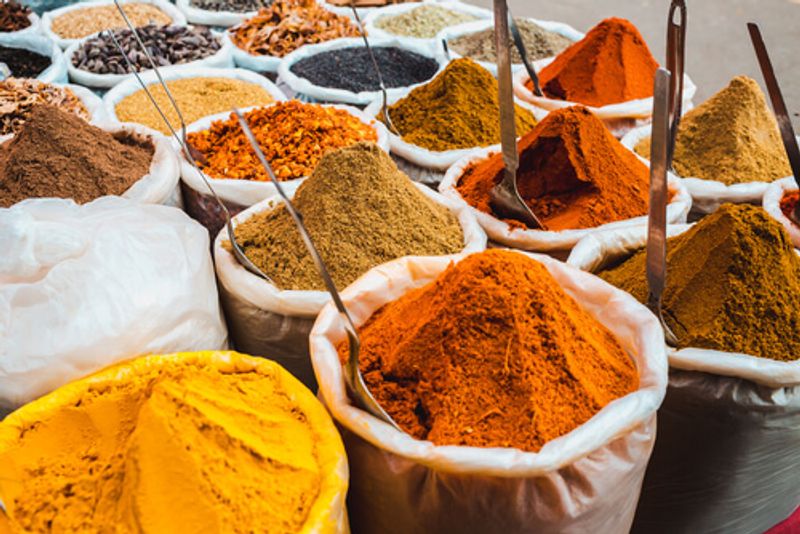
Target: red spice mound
[
  {"x": 612, "y": 64},
  {"x": 789, "y": 202},
  {"x": 572, "y": 173},
  {"x": 493, "y": 353}
]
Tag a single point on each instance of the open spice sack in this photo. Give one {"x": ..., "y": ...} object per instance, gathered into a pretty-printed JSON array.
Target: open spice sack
[
  {"x": 534, "y": 421},
  {"x": 728, "y": 149},
  {"x": 33, "y": 56},
  {"x": 361, "y": 211},
  {"x": 18, "y": 19},
  {"x": 58, "y": 154},
  {"x": 780, "y": 200},
  {"x": 175, "y": 442},
  {"x": 728, "y": 431},
  {"x": 421, "y": 22},
  {"x": 573, "y": 174},
  {"x": 84, "y": 286},
  {"x": 446, "y": 119},
  {"x": 293, "y": 136},
  {"x": 610, "y": 71}
]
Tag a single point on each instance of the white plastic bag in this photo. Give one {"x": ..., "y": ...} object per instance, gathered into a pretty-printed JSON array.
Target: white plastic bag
[
  {"x": 433, "y": 160},
  {"x": 48, "y": 18},
  {"x": 222, "y": 58},
  {"x": 275, "y": 323},
  {"x": 585, "y": 481},
  {"x": 34, "y": 29},
  {"x": 707, "y": 195},
  {"x": 57, "y": 71},
  {"x": 82, "y": 287},
  {"x": 312, "y": 92},
  {"x": 557, "y": 240},
  {"x": 728, "y": 433},
  {"x": 619, "y": 118},
  {"x": 219, "y": 19},
  {"x": 772, "y": 205},
  {"x": 131, "y": 85},
  {"x": 467, "y": 28},
  {"x": 240, "y": 194},
  {"x": 392, "y": 10}
]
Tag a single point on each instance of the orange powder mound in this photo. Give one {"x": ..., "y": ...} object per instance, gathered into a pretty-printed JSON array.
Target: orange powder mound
[
  {"x": 493, "y": 353},
  {"x": 572, "y": 173},
  {"x": 612, "y": 64}
]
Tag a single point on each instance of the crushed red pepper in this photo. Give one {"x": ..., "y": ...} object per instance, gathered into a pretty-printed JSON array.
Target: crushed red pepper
[
  {"x": 293, "y": 135},
  {"x": 789, "y": 202}
]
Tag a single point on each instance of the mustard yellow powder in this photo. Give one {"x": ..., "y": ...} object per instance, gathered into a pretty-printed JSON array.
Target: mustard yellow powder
[
  {"x": 196, "y": 98},
  {"x": 181, "y": 443}
]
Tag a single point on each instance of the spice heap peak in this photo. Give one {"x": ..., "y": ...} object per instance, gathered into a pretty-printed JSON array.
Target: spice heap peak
[
  {"x": 361, "y": 211},
  {"x": 733, "y": 284},
  {"x": 731, "y": 138},
  {"x": 493, "y": 353},
  {"x": 612, "y": 64},
  {"x": 572, "y": 173},
  {"x": 457, "y": 109}
]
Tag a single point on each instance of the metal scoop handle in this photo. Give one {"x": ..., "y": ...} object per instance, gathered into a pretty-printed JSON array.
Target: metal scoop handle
[
  {"x": 385, "y": 107},
  {"x": 676, "y": 50},
  {"x": 657, "y": 220},
  {"x": 238, "y": 252},
  {"x": 523, "y": 53},
  {"x": 778, "y": 106},
  {"x": 353, "y": 378}
]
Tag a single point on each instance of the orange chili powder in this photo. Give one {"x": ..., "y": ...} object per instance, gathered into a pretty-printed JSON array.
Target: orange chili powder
[
  {"x": 293, "y": 135},
  {"x": 789, "y": 202},
  {"x": 572, "y": 173},
  {"x": 612, "y": 64},
  {"x": 493, "y": 353}
]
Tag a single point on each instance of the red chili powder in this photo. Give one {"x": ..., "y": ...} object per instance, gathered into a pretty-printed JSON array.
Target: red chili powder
[
  {"x": 789, "y": 202},
  {"x": 572, "y": 173},
  {"x": 612, "y": 64}
]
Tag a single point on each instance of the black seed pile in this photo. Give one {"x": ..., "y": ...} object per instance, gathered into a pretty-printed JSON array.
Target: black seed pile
[
  {"x": 23, "y": 63},
  {"x": 351, "y": 68}
]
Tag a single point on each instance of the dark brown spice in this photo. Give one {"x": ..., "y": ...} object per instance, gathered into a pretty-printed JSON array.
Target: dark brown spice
[{"x": 57, "y": 154}]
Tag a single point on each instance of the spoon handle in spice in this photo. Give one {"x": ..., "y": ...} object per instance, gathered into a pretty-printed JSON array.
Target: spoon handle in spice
[
  {"x": 353, "y": 378},
  {"x": 523, "y": 54},
  {"x": 657, "y": 220},
  {"x": 676, "y": 50},
  {"x": 778, "y": 105}
]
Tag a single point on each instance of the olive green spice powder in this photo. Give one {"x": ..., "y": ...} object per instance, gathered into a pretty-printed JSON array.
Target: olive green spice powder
[
  {"x": 360, "y": 211},
  {"x": 731, "y": 138},
  {"x": 733, "y": 284}
]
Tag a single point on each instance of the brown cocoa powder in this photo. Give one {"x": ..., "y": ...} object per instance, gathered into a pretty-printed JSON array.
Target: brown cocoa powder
[{"x": 57, "y": 154}]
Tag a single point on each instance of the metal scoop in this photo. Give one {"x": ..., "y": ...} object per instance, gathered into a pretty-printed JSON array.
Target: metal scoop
[
  {"x": 385, "y": 107},
  {"x": 779, "y": 107},
  {"x": 523, "y": 53},
  {"x": 657, "y": 220},
  {"x": 355, "y": 382},
  {"x": 505, "y": 199},
  {"x": 676, "y": 49},
  {"x": 238, "y": 252}
]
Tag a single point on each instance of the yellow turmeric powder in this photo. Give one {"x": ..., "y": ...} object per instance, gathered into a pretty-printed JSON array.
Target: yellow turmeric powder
[{"x": 197, "y": 442}]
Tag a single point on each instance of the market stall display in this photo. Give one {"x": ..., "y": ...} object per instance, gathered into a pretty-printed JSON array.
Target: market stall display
[
  {"x": 728, "y": 149},
  {"x": 192, "y": 440},
  {"x": 391, "y": 217}
]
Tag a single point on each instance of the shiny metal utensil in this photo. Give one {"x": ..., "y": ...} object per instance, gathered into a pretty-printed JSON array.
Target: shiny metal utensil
[
  {"x": 505, "y": 198},
  {"x": 385, "y": 107},
  {"x": 657, "y": 220},
  {"x": 523, "y": 53},
  {"x": 355, "y": 382},
  {"x": 676, "y": 51},
  {"x": 238, "y": 252},
  {"x": 446, "y": 49},
  {"x": 779, "y": 107},
  {"x": 5, "y": 72}
]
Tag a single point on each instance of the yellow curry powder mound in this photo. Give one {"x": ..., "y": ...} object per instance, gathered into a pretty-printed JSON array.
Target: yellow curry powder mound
[{"x": 193, "y": 442}]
